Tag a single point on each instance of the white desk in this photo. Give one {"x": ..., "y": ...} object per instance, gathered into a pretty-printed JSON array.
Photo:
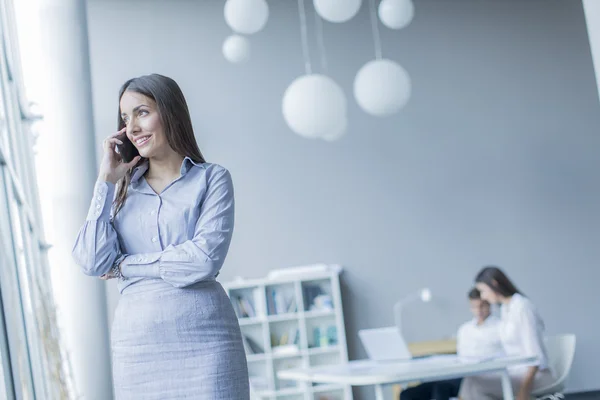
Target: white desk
[{"x": 379, "y": 374}]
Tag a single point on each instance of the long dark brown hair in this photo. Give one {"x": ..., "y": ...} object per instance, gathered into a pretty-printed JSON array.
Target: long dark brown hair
[
  {"x": 497, "y": 281},
  {"x": 174, "y": 116}
]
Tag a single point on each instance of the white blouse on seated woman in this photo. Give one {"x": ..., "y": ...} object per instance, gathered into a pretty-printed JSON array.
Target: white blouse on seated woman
[{"x": 521, "y": 332}]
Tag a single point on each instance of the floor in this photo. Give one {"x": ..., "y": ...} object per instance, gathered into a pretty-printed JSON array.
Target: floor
[{"x": 584, "y": 396}]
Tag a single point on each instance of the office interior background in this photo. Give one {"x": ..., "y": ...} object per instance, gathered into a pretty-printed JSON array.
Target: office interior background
[{"x": 494, "y": 160}]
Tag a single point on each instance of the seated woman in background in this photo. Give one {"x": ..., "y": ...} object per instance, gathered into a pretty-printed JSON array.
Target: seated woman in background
[
  {"x": 521, "y": 333},
  {"x": 476, "y": 339}
]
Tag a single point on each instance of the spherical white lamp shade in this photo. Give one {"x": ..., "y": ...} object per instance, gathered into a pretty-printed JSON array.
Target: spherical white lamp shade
[
  {"x": 337, "y": 10},
  {"x": 382, "y": 87},
  {"x": 337, "y": 133},
  {"x": 236, "y": 49},
  {"x": 314, "y": 106},
  {"x": 246, "y": 16},
  {"x": 426, "y": 295},
  {"x": 396, "y": 14}
]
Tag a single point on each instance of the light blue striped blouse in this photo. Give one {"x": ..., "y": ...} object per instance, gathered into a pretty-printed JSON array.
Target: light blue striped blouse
[{"x": 181, "y": 235}]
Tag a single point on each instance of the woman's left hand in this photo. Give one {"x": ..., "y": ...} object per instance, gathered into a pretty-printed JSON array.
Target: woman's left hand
[
  {"x": 108, "y": 276},
  {"x": 111, "y": 273}
]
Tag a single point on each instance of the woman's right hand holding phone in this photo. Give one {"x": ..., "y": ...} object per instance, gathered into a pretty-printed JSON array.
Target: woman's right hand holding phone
[{"x": 112, "y": 168}]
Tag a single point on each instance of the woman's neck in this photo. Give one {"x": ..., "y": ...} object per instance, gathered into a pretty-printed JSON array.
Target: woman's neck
[
  {"x": 505, "y": 300},
  {"x": 164, "y": 167}
]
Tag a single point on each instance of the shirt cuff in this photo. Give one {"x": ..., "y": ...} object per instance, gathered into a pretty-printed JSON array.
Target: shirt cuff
[
  {"x": 141, "y": 265},
  {"x": 102, "y": 201}
]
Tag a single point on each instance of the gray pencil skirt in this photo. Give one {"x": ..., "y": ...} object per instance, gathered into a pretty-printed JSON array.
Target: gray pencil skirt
[{"x": 177, "y": 343}]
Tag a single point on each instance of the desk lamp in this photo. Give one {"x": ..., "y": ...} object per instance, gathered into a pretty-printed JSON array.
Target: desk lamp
[{"x": 424, "y": 295}]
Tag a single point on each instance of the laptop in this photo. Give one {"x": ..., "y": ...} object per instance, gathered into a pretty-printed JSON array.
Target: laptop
[{"x": 384, "y": 344}]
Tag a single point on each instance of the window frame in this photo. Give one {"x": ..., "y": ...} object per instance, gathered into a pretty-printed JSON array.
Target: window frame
[{"x": 24, "y": 371}]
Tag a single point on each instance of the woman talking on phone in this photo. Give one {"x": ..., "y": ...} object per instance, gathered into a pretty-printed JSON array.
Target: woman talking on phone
[
  {"x": 521, "y": 332},
  {"x": 161, "y": 222}
]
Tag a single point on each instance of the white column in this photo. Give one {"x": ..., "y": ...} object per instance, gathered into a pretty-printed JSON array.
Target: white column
[
  {"x": 67, "y": 109},
  {"x": 592, "y": 17}
]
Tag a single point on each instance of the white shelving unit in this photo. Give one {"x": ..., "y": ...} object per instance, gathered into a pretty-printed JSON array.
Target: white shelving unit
[{"x": 288, "y": 321}]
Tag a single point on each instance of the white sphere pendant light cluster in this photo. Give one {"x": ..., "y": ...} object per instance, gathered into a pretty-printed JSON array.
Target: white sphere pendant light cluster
[
  {"x": 314, "y": 106},
  {"x": 382, "y": 87},
  {"x": 244, "y": 17}
]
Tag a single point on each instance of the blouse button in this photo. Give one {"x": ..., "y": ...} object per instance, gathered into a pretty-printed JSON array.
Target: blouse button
[
  {"x": 152, "y": 212},
  {"x": 154, "y": 239}
]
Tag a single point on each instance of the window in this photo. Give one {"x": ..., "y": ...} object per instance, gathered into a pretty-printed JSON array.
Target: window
[{"x": 31, "y": 365}]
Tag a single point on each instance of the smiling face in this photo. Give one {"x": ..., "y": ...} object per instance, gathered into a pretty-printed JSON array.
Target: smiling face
[{"x": 144, "y": 126}]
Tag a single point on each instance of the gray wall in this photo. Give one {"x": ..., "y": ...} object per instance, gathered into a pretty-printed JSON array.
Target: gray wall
[{"x": 494, "y": 160}]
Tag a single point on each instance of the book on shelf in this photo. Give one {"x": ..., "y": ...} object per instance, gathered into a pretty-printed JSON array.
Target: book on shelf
[
  {"x": 251, "y": 346},
  {"x": 278, "y": 303},
  {"x": 292, "y": 306},
  {"x": 289, "y": 337},
  {"x": 248, "y": 305}
]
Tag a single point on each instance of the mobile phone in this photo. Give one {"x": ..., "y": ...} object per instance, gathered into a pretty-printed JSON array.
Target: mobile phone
[{"x": 127, "y": 150}]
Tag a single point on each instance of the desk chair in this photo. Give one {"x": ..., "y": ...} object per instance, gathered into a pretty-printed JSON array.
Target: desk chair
[{"x": 561, "y": 351}]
